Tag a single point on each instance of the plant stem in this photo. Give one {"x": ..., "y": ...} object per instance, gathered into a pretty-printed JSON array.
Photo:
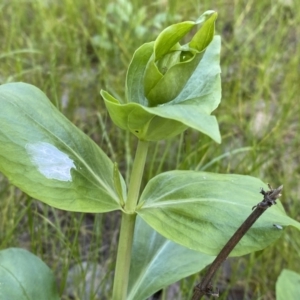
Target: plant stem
[
  {"x": 204, "y": 288},
  {"x": 127, "y": 224},
  {"x": 136, "y": 176},
  {"x": 123, "y": 257}
]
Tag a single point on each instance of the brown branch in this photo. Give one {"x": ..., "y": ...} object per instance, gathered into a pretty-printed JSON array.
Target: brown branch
[{"x": 204, "y": 287}]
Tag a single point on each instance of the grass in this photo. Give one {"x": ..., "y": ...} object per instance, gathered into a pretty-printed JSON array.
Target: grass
[{"x": 72, "y": 49}]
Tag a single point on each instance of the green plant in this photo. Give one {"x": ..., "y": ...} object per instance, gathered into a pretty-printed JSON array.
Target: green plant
[
  {"x": 169, "y": 87},
  {"x": 287, "y": 285}
]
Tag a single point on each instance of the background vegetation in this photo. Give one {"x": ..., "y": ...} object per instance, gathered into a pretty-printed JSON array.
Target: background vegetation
[{"x": 72, "y": 48}]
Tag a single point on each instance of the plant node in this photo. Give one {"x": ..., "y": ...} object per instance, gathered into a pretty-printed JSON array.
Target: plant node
[{"x": 269, "y": 197}]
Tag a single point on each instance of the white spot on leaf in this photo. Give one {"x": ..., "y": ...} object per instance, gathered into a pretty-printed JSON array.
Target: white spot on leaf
[{"x": 50, "y": 161}]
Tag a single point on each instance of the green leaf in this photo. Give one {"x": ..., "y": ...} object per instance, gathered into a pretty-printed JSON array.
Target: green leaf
[
  {"x": 191, "y": 108},
  {"x": 135, "y": 74},
  {"x": 24, "y": 276},
  {"x": 206, "y": 33},
  {"x": 288, "y": 285},
  {"x": 167, "y": 87},
  {"x": 157, "y": 123},
  {"x": 202, "y": 211},
  {"x": 189, "y": 115},
  {"x": 204, "y": 86},
  {"x": 49, "y": 158},
  {"x": 166, "y": 40},
  {"x": 170, "y": 36},
  {"x": 170, "y": 87},
  {"x": 118, "y": 184},
  {"x": 158, "y": 262},
  {"x": 166, "y": 75},
  {"x": 140, "y": 121}
]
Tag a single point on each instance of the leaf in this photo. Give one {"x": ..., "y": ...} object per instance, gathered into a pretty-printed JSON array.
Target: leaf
[
  {"x": 118, "y": 184},
  {"x": 166, "y": 88},
  {"x": 135, "y": 74},
  {"x": 158, "y": 262},
  {"x": 201, "y": 211},
  {"x": 170, "y": 87},
  {"x": 24, "y": 276},
  {"x": 49, "y": 158},
  {"x": 162, "y": 89},
  {"x": 288, "y": 285},
  {"x": 190, "y": 115},
  {"x": 141, "y": 122},
  {"x": 204, "y": 86},
  {"x": 191, "y": 108},
  {"x": 170, "y": 36},
  {"x": 206, "y": 33},
  {"x": 152, "y": 76},
  {"x": 156, "y": 123}
]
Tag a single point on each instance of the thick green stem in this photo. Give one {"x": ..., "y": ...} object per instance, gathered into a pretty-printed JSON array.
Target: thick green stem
[
  {"x": 127, "y": 225},
  {"x": 123, "y": 257},
  {"x": 136, "y": 176}
]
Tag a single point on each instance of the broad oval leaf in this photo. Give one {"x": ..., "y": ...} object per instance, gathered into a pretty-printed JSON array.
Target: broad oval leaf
[
  {"x": 49, "y": 158},
  {"x": 24, "y": 276},
  {"x": 288, "y": 285},
  {"x": 202, "y": 210},
  {"x": 158, "y": 262}
]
